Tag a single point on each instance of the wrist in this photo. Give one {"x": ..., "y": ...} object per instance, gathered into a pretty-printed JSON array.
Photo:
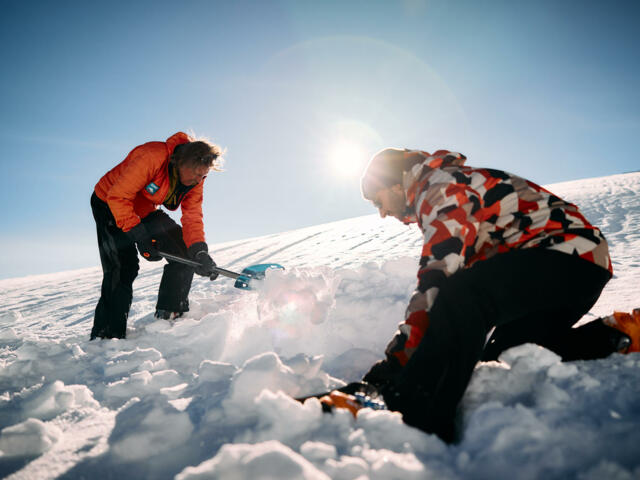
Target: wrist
[{"x": 197, "y": 248}]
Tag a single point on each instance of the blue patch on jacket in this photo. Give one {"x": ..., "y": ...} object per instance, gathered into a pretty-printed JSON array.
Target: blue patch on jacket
[{"x": 152, "y": 188}]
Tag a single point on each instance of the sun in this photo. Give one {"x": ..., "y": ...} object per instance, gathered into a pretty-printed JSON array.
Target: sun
[
  {"x": 349, "y": 146},
  {"x": 347, "y": 158}
]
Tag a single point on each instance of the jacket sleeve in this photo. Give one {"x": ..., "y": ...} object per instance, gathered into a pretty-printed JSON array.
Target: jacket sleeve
[
  {"x": 192, "y": 224},
  {"x": 140, "y": 169},
  {"x": 445, "y": 211}
]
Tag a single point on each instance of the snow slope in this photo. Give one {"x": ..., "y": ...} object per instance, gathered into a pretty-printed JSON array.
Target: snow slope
[{"x": 203, "y": 398}]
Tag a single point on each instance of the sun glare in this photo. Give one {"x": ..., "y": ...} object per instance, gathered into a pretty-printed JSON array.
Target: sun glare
[
  {"x": 347, "y": 159},
  {"x": 351, "y": 144}
]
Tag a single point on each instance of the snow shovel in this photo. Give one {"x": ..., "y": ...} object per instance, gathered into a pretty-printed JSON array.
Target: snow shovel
[{"x": 243, "y": 280}]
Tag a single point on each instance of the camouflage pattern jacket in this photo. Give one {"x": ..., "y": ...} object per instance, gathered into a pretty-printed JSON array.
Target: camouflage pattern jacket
[{"x": 469, "y": 214}]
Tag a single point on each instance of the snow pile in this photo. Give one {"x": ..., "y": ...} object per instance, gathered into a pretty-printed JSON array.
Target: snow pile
[
  {"x": 210, "y": 396},
  {"x": 264, "y": 460},
  {"x": 31, "y": 437}
]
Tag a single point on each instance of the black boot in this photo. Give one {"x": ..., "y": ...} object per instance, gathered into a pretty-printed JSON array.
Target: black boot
[{"x": 167, "y": 315}]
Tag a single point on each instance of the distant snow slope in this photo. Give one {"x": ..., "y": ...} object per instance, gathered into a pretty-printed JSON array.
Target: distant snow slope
[{"x": 203, "y": 398}]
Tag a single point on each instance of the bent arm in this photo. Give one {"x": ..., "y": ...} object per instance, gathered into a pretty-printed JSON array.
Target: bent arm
[
  {"x": 445, "y": 211},
  {"x": 192, "y": 223},
  {"x": 139, "y": 171}
]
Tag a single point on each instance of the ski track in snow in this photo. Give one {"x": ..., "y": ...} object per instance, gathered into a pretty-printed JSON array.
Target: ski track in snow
[{"x": 203, "y": 397}]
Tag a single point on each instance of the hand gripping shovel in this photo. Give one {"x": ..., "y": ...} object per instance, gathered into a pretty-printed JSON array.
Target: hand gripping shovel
[{"x": 243, "y": 280}]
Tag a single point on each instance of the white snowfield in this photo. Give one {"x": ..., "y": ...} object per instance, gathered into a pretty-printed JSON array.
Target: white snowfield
[{"x": 210, "y": 396}]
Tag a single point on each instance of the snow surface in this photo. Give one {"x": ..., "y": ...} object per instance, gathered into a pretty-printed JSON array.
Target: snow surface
[{"x": 208, "y": 396}]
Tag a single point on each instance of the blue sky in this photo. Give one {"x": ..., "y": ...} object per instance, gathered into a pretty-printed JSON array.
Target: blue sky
[{"x": 300, "y": 94}]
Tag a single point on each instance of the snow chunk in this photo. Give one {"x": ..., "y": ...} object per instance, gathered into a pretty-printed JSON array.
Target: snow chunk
[
  {"x": 31, "y": 437},
  {"x": 144, "y": 383},
  {"x": 306, "y": 366},
  {"x": 265, "y": 371},
  {"x": 318, "y": 451},
  {"x": 125, "y": 362},
  {"x": 268, "y": 460},
  {"x": 77, "y": 352},
  {"x": 210, "y": 371},
  {"x": 149, "y": 428},
  {"x": 386, "y": 430},
  {"x": 284, "y": 418},
  {"x": 562, "y": 371},
  {"x": 391, "y": 465},
  {"x": 346, "y": 468},
  {"x": 47, "y": 401},
  {"x": 529, "y": 357}
]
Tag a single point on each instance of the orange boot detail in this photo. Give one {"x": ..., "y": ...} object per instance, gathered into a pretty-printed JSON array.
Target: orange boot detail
[
  {"x": 629, "y": 324},
  {"x": 345, "y": 401}
]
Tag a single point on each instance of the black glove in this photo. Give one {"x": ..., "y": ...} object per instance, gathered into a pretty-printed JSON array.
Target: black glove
[
  {"x": 383, "y": 372},
  {"x": 146, "y": 245},
  {"x": 199, "y": 252}
]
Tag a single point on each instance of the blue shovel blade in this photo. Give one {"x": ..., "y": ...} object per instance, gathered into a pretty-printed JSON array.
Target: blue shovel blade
[{"x": 254, "y": 272}]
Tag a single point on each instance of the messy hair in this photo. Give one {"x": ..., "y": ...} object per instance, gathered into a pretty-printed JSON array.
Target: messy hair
[{"x": 198, "y": 153}]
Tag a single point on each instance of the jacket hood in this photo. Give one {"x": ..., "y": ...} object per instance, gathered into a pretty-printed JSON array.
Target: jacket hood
[{"x": 176, "y": 139}]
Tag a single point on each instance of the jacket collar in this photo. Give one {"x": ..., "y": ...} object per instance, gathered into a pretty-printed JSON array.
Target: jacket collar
[
  {"x": 176, "y": 139},
  {"x": 411, "y": 179}
]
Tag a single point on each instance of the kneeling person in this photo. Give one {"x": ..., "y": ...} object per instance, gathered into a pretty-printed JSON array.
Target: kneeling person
[{"x": 503, "y": 257}]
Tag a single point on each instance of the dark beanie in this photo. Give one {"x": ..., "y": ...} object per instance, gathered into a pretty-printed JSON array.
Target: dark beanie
[{"x": 386, "y": 168}]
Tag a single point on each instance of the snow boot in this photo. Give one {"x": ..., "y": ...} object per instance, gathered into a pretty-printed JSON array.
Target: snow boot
[
  {"x": 167, "y": 315},
  {"x": 629, "y": 324}
]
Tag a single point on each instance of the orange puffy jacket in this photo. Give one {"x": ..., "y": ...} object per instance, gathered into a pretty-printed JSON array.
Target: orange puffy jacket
[{"x": 136, "y": 186}]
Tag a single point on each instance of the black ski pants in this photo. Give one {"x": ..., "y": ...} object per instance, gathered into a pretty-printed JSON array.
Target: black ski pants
[
  {"x": 120, "y": 265},
  {"x": 532, "y": 295}
]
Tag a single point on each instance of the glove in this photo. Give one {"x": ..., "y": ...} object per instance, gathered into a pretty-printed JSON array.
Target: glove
[
  {"x": 199, "y": 252},
  {"x": 146, "y": 245},
  {"x": 383, "y": 372}
]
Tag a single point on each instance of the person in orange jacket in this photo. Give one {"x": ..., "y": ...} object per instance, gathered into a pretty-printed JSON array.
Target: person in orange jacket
[{"x": 125, "y": 205}]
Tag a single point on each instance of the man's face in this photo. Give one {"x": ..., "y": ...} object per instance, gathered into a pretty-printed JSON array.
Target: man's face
[
  {"x": 190, "y": 175},
  {"x": 391, "y": 201}
]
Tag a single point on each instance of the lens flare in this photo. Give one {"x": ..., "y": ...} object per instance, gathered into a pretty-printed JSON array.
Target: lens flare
[{"x": 347, "y": 158}]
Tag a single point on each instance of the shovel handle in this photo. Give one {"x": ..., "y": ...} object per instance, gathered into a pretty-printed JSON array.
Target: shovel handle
[
  {"x": 227, "y": 273},
  {"x": 193, "y": 263}
]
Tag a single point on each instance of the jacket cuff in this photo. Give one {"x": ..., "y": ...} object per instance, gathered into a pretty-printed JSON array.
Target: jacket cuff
[{"x": 196, "y": 248}]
